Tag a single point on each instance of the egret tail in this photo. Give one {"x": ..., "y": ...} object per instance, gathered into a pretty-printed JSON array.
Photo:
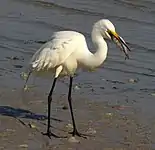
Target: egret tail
[{"x": 27, "y": 78}]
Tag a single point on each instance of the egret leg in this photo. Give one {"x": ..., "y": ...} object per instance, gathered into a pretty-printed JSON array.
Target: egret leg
[
  {"x": 75, "y": 131},
  {"x": 49, "y": 133}
]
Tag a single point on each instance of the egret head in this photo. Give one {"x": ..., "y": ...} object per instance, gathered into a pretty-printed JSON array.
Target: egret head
[{"x": 107, "y": 30}]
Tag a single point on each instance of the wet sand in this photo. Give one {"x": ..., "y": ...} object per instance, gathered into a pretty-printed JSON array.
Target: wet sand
[{"x": 110, "y": 127}]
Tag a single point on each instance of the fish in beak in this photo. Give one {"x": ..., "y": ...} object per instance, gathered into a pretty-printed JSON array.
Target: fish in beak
[{"x": 119, "y": 41}]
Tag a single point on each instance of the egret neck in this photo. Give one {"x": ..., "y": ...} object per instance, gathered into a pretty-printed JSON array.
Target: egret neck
[{"x": 96, "y": 59}]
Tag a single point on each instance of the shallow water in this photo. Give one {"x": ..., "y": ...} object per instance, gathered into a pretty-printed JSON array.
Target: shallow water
[{"x": 24, "y": 23}]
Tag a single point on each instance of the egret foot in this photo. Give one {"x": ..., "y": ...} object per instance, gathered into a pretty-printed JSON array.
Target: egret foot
[
  {"x": 76, "y": 133},
  {"x": 50, "y": 134}
]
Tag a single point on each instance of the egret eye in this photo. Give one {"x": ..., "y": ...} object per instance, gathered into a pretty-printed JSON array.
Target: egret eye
[{"x": 107, "y": 33}]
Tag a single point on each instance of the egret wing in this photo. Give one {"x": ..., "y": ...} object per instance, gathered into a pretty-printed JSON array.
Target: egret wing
[{"x": 54, "y": 52}]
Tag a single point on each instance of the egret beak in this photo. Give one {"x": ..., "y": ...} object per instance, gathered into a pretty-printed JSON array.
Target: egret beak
[{"x": 118, "y": 40}]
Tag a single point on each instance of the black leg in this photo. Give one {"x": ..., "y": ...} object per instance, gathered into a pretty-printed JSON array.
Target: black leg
[
  {"x": 70, "y": 102},
  {"x": 75, "y": 131},
  {"x": 48, "y": 133}
]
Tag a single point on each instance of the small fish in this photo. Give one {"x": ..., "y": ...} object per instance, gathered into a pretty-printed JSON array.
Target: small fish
[{"x": 123, "y": 46}]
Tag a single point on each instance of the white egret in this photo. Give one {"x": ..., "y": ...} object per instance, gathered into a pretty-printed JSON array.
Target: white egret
[{"x": 67, "y": 51}]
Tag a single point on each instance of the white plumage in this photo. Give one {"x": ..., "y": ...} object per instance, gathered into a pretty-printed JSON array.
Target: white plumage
[
  {"x": 68, "y": 51},
  {"x": 56, "y": 53}
]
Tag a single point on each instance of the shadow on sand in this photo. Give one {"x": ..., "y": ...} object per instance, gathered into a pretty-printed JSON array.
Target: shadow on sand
[
  {"x": 19, "y": 114},
  {"x": 22, "y": 113}
]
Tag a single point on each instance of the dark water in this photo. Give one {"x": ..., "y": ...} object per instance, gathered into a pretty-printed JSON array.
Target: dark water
[{"x": 24, "y": 23}]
